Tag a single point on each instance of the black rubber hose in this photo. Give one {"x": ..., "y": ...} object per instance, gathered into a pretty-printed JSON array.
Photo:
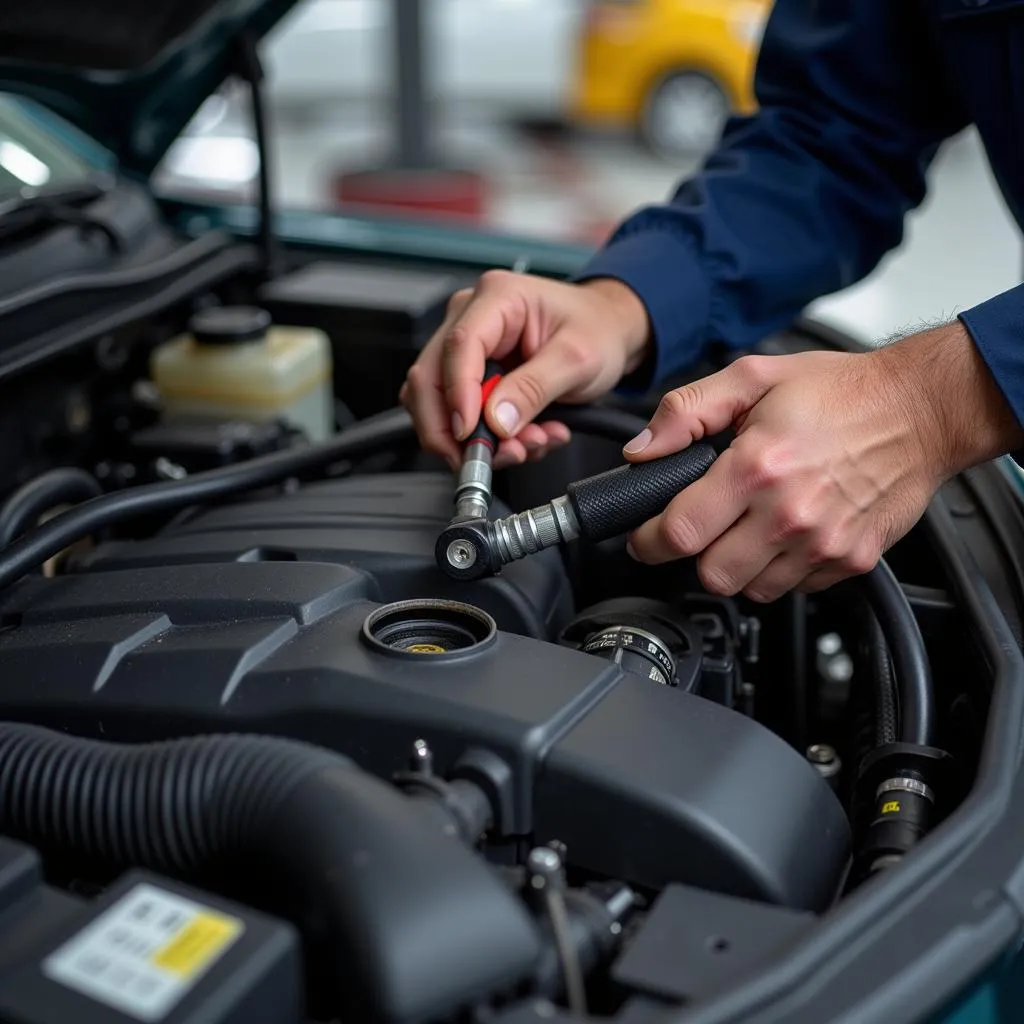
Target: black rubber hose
[
  {"x": 63, "y": 486},
  {"x": 896, "y": 617},
  {"x": 364, "y": 438},
  {"x": 367, "y": 437},
  {"x": 879, "y": 662},
  {"x": 399, "y": 920}
]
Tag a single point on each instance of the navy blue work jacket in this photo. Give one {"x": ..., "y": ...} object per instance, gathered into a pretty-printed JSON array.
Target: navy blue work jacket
[{"x": 805, "y": 197}]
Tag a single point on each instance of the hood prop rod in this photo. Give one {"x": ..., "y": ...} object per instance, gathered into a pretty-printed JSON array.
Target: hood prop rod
[{"x": 250, "y": 69}]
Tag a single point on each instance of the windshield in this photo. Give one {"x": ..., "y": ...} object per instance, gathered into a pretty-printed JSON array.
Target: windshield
[{"x": 32, "y": 155}]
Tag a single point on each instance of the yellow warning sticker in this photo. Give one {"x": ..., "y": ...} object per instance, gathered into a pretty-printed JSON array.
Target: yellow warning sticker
[
  {"x": 144, "y": 952},
  {"x": 196, "y": 944}
]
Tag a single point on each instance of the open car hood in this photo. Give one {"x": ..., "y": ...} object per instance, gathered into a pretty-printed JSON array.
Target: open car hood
[{"x": 129, "y": 74}]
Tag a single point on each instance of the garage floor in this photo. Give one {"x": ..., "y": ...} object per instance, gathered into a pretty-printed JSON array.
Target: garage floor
[{"x": 960, "y": 248}]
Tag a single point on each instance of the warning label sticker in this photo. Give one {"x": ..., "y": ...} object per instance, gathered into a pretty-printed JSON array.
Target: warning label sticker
[{"x": 145, "y": 952}]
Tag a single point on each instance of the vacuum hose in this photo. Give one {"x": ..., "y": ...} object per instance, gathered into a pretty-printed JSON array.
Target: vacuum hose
[
  {"x": 66, "y": 485},
  {"x": 365, "y": 438},
  {"x": 401, "y": 920}
]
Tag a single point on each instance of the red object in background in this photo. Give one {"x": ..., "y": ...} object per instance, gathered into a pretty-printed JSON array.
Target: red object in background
[{"x": 453, "y": 194}]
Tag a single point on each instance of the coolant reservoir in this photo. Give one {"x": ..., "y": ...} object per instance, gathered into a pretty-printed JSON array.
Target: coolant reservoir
[{"x": 234, "y": 363}]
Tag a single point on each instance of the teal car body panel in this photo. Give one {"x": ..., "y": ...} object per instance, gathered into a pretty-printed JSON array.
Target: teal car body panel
[
  {"x": 137, "y": 114},
  {"x": 393, "y": 237}
]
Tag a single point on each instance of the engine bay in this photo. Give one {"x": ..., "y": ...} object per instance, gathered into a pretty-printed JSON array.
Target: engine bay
[{"x": 239, "y": 693}]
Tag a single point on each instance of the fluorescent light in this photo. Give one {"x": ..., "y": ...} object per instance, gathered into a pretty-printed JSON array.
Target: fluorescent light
[
  {"x": 17, "y": 160},
  {"x": 214, "y": 161}
]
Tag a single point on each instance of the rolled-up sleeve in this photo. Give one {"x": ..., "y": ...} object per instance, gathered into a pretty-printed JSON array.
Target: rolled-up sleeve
[{"x": 804, "y": 197}]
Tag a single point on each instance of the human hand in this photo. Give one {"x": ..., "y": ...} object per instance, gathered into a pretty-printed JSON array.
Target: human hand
[
  {"x": 571, "y": 342},
  {"x": 836, "y": 456}
]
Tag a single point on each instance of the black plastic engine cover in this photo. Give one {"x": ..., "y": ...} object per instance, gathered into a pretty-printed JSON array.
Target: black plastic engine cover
[
  {"x": 191, "y": 632},
  {"x": 384, "y": 525}
]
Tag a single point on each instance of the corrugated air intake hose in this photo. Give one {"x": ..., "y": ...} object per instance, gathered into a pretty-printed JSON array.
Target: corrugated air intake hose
[{"x": 400, "y": 920}]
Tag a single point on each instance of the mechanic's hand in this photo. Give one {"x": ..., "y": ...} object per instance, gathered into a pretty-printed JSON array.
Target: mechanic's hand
[
  {"x": 571, "y": 343},
  {"x": 836, "y": 456}
]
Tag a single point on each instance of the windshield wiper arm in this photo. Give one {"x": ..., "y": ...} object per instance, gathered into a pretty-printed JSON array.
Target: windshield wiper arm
[
  {"x": 30, "y": 198},
  {"x": 31, "y": 208}
]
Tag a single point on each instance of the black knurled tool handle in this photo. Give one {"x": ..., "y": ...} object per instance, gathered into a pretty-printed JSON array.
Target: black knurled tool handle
[{"x": 613, "y": 503}]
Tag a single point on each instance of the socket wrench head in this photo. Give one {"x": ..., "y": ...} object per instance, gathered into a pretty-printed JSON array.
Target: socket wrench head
[{"x": 465, "y": 550}]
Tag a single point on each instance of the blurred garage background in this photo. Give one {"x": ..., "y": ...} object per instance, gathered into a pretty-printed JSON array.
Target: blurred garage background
[{"x": 570, "y": 114}]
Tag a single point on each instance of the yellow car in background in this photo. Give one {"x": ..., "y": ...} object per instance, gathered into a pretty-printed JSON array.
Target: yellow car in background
[{"x": 672, "y": 70}]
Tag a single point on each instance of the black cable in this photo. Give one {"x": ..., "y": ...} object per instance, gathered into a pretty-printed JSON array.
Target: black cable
[
  {"x": 251, "y": 70},
  {"x": 364, "y": 438},
  {"x": 64, "y": 486}
]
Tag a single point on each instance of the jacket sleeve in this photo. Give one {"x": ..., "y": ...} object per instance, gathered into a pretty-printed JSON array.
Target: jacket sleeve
[
  {"x": 802, "y": 198},
  {"x": 997, "y": 327}
]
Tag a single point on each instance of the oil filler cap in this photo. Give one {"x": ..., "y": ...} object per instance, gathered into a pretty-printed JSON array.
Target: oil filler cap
[{"x": 428, "y": 628}]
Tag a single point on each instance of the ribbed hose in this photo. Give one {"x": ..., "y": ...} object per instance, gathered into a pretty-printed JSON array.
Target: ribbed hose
[
  {"x": 295, "y": 830},
  {"x": 182, "y": 807},
  {"x": 879, "y": 661}
]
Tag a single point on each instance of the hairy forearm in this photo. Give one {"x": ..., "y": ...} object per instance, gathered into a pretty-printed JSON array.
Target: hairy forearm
[{"x": 957, "y": 403}]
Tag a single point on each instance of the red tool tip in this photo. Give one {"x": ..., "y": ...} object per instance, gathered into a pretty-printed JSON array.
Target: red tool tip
[{"x": 487, "y": 388}]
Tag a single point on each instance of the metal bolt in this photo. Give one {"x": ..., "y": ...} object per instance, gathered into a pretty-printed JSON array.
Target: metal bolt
[
  {"x": 821, "y": 753},
  {"x": 826, "y": 762},
  {"x": 422, "y": 759},
  {"x": 544, "y": 861},
  {"x": 545, "y": 867},
  {"x": 461, "y": 554}
]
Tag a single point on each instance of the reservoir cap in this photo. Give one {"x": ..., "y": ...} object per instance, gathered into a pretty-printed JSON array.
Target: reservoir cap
[{"x": 229, "y": 325}]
